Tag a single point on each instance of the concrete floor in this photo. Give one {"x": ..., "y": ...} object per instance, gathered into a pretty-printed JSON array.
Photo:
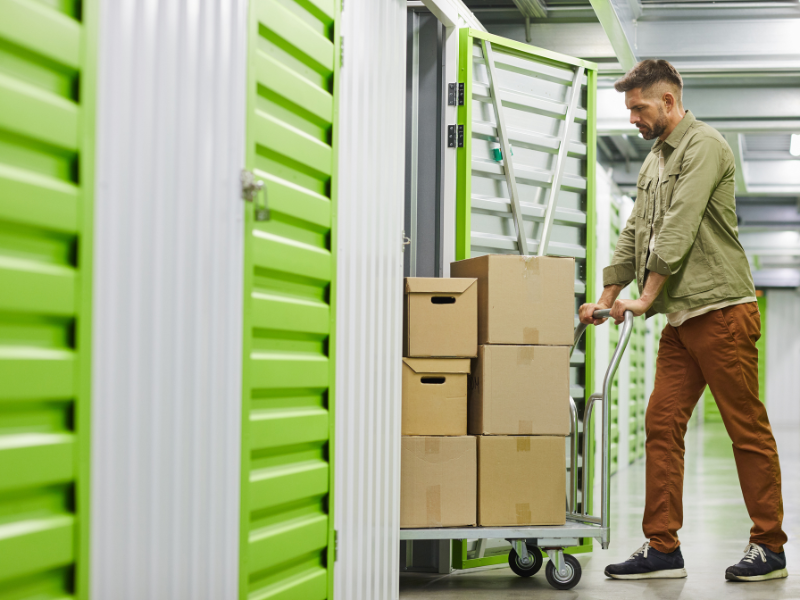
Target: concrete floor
[{"x": 715, "y": 532}]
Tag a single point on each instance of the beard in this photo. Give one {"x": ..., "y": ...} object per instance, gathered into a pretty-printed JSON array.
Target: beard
[{"x": 659, "y": 127}]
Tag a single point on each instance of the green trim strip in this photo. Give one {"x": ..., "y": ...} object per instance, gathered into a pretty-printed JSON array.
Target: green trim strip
[{"x": 555, "y": 57}]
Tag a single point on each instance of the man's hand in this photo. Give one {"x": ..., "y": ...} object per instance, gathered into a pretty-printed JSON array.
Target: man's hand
[
  {"x": 587, "y": 310},
  {"x": 637, "y": 307}
]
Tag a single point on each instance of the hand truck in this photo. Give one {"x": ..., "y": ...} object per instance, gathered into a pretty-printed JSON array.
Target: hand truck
[{"x": 563, "y": 572}]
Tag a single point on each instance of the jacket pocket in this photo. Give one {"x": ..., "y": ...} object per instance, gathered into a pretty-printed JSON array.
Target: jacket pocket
[
  {"x": 695, "y": 275},
  {"x": 671, "y": 180},
  {"x": 642, "y": 191}
]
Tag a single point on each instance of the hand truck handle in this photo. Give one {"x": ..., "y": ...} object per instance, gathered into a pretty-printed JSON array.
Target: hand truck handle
[
  {"x": 598, "y": 314},
  {"x": 616, "y": 358}
]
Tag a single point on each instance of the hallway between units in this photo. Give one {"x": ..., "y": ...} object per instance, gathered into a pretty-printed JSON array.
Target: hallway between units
[{"x": 715, "y": 531}]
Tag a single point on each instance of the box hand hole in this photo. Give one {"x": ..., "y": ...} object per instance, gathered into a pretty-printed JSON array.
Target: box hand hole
[
  {"x": 443, "y": 300},
  {"x": 433, "y": 380}
]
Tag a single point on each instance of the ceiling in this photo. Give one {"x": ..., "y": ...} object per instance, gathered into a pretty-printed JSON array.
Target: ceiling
[{"x": 740, "y": 60}]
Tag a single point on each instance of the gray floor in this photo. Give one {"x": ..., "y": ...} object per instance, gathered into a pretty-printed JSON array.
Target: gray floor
[{"x": 715, "y": 532}]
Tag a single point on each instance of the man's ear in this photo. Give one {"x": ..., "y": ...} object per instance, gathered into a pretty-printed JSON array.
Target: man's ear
[{"x": 669, "y": 101}]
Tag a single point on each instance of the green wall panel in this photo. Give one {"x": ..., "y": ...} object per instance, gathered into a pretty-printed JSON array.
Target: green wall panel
[
  {"x": 46, "y": 170},
  {"x": 290, "y": 264}
]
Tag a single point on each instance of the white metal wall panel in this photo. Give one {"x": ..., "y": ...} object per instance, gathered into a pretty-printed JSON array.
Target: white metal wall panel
[
  {"x": 166, "y": 443},
  {"x": 783, "y": 355},
  {"x": 369, "y": 299}
]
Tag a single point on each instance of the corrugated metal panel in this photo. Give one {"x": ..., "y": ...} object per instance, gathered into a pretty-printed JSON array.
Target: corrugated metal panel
[
  {"x": 286, "y": 535},
  {"x": 783, "y": 356},
  {"x": 166, "y": 445},
  {"x": 46, "y": 125},
  {"x": 369, "y": 300}
]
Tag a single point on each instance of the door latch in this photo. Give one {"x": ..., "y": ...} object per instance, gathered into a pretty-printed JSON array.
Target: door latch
[{"x": 255, "y": 191}]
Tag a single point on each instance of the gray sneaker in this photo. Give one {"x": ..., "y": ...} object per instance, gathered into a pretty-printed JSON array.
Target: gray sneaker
[
  {"x": 649, "y": 563},
  {"x": 759, "y": 564}
]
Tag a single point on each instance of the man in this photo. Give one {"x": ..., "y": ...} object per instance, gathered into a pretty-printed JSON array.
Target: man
[{"x": 681, "y": 246}]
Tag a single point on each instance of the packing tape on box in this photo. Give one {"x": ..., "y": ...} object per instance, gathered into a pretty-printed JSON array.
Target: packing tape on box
[
  {"x": 523, "y": 444},
  {"x": 526, "y": 354},
  {"x": 534, "y": 281},
  {"x": 433, "y": 505},
  {"x": 523, "y": 513},
  {"x": 530, "y": 335},
  {"x": 432, "y": 446},
  {"x": 532, "y": 264},
  {"x": 526, "y": 428}
]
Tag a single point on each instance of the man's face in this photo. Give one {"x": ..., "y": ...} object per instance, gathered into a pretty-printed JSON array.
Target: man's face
[{"x": 646, "y": 113}]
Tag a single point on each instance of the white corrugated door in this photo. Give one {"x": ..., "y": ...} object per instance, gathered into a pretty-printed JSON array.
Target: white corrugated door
[{"x": 369, "y": 317}]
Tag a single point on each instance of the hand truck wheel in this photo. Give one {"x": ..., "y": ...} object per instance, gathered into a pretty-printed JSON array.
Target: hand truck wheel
[
  {"x": 570, "y": 580},
  {"x": 535, "y": 561}
]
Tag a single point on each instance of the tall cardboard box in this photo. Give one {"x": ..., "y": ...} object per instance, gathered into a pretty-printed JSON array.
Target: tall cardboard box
[
  {"x": 438, "y": 482},
  {"x": 521, "y": 480},
  {"x": 440, "y": 317},
  {"x": 520, "y": 390},
  {"x": 522, "y": 300},
  {"x": 435, "y": 396}
]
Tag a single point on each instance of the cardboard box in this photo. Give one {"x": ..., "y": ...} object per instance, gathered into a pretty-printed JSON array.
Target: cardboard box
[
  {"x": 523, "y": 300},
  {"x": 521, "y": 480},
  {"x": 440, "y": 317},
  {"x": 435, "y": 396},
  {"x": 438, "y": 482},
  {"x": 520, "y": 390}
]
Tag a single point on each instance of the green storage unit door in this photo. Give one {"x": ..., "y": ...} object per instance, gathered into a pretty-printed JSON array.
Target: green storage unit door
[
  {"x": 287, "y": 524},
  {"x": 46, "y": 128},
  {"x": 525, "y": 95}
]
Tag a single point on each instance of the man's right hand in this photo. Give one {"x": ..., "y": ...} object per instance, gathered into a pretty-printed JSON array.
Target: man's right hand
[{"x": 586, "y": 314}]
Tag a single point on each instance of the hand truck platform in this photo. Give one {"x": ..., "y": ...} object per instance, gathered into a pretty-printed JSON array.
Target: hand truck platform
[{"x": 525, "y": 559}]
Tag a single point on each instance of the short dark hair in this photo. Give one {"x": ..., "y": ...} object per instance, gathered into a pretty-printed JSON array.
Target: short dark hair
[{"x": 649, "y": 73}]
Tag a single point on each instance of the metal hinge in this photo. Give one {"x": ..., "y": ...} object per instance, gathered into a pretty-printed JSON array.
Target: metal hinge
[
  {"x": 335, "y": 545},
  {"x": 455, "y": 94},
  {"x": 455, "y": 136},
  {"x": 252, "y": 190},
  {"x": 406, "y": 241}
]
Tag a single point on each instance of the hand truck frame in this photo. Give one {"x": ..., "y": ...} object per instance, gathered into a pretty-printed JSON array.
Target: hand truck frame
[{"x": 563, "y": 571}]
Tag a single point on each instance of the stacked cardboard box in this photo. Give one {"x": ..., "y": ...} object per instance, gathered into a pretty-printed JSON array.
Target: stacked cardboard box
[
  {"x": 519, "y": 389},
  {"x": 438, "y": 484}
]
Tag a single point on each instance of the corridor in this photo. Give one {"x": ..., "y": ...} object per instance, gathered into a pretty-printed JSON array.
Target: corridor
[{"x": 715, "y": 532}]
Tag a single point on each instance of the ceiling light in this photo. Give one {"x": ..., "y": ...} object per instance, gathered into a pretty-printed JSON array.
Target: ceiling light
[{"x": 794, "y": 147}]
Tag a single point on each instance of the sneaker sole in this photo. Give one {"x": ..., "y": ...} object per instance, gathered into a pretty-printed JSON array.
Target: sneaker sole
[
  {"x": 665, "y": 574},
  {"x": 779, "y": 574}
]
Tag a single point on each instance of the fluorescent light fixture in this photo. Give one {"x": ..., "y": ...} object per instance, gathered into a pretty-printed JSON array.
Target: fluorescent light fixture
[{"x": 794, "y": 147}]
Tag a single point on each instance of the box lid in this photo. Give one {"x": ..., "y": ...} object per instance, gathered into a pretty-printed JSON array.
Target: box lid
[
  {"x": 438, "y": 365},
  {"x": 438, "y": 285}
]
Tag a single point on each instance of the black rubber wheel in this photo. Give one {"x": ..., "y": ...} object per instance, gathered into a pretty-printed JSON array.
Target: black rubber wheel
[
  {"x": 573, "y": 574},
  {"x": 533, "y": 568}
]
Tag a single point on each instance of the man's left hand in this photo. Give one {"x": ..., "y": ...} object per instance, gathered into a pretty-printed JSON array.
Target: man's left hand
[{"x": 637, "y": 307}]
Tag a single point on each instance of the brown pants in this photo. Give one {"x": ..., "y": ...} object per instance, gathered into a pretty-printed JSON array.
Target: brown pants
[{"x": 717, "y": 348}]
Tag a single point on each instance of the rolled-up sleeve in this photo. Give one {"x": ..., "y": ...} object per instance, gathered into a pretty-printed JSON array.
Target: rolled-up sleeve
[
  {"x": 701, "y": 170},
  {"x": 622, "y": 269}
]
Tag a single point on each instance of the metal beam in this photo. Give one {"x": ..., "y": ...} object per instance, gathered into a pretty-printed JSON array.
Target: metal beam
[
  {"x": 508, "y": 162},
  {"x": 636, "y": 8},
  {"x": 535, "y": 9},
  {"x": 558, "y": 172},
  {"x": 625, "y": 147},
  {"x": 619, "y": 23}
]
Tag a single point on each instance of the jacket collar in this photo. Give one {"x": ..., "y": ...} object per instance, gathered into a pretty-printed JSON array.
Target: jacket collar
[{"x": 674, "y": 138}]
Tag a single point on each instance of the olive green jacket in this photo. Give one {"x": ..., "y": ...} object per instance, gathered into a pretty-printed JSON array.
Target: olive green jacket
[{"x": 693, "y": 217}]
